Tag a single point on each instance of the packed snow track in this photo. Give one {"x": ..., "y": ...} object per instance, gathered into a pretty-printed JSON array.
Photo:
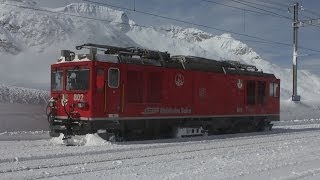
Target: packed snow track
[{"x": 287, "y": 152}]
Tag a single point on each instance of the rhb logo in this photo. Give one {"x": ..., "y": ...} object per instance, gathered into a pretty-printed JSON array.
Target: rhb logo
[{"x": 179, "y": 79}]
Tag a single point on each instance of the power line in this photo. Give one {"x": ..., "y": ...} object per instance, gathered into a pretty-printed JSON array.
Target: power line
[
  {"x": 312, "y": 12},
  {"x": 265, "y": 6},
  {"x": 255, "y": 7},
  {"x": 234, "y": 7},
  {"x": 284, "y": 10},
  {"x": 273, "y": 3},
  {"x": 259, "y": 40}
]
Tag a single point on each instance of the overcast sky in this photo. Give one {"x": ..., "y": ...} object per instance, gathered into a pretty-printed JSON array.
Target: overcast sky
[{"x": 235, "y": 17}]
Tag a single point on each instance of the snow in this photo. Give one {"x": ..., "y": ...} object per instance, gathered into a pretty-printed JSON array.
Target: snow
[
  {"x": 290, "y": 151},
  {"x": 13, "y": 94},
  {"x": 85, "y": 140}
]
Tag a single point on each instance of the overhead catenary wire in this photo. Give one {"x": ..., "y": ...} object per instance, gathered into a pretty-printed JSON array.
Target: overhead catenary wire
[
  {"x": 317, "y": 15},
  {"x": 243, "y": 2},
  {"x": 272, "y": 3},
  {"x": 312, "y": 12},
  {"x": 258, "y": 39},
  {"x": 266, "y": 6},
  {"x": 239, "y": 8},
  {"x": 261, "y": 9}
]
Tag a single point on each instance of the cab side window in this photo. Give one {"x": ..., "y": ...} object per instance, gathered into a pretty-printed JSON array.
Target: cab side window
[
  {"x": 273, "y": 89},
  {"x": 113, "y": 77}
]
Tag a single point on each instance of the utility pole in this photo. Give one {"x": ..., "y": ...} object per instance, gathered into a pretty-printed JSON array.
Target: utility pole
[
  {"x": 296, "y": 24},
  {"x": 295, "y": 96}
]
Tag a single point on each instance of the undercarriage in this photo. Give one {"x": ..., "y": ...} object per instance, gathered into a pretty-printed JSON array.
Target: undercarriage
[{"x": 118, "y": 130}]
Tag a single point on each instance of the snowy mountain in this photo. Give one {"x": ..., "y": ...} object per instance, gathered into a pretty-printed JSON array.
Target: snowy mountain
[
  {"x": 23, "y": 28},
  {"x": 10, "y": 94},
  {"x": 33, "y": 40}
]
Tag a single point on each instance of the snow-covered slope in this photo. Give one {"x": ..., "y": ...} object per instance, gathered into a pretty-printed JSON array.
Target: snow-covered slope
[
  {"x": 23, "y": 28},
  {"x": 11, "y": 94}
]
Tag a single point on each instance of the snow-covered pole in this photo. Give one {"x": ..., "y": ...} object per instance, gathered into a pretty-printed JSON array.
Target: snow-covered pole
[{"x": 295, "y": 96}]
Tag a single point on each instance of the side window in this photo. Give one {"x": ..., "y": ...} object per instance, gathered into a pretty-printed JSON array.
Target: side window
[
  {"x": 273, "y": 89},
  {"x": 56, "y": 81},
  {"x": 113, "y": 78}
]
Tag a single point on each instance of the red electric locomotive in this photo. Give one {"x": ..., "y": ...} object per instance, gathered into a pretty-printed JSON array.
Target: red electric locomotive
[{"x": 134, "y": 92}]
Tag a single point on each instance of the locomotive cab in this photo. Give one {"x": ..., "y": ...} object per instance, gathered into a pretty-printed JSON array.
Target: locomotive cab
[{"x": 79, "y": 90}]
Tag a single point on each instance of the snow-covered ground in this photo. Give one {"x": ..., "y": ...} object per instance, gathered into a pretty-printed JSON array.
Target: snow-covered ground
[
  {"x": 290, "y": 151},
  {"x": 22, "y": 117}
]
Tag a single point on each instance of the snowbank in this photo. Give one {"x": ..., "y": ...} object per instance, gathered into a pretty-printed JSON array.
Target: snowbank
[{"x": 85, "y": 140}]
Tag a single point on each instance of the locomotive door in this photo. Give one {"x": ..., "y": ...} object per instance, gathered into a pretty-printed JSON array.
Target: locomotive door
[
  {"x": 99, "y": 94},
  {"x": 113, "y": 91}
]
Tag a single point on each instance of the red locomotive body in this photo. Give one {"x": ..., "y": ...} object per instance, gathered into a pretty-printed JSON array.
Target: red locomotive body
[{"x": 129, "y": 92}]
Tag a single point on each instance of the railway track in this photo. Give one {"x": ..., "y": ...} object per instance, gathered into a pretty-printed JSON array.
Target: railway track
[
  {"x": 163, "y": 144},
  {"x": 92, "y": 158}
]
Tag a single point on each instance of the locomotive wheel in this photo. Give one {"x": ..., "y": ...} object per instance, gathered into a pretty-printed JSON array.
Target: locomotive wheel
[
  {"x": 264, "y": 126},
  {"x": 111, "y": 136}
]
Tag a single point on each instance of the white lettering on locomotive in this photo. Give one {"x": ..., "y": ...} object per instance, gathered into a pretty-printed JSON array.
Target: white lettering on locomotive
[
  {"x": 166, "y": 110},
  {"x": 78, "y": 97},
  {"x": 149, "y": 110}
]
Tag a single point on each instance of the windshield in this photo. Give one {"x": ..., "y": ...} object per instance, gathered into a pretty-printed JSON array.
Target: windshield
[
  {"x": 56, "y": 81},
  {"x": 78, "y": 79}
]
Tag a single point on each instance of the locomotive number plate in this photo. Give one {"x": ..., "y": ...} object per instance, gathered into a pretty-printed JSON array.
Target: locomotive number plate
[{"x": 78, "y": 97}]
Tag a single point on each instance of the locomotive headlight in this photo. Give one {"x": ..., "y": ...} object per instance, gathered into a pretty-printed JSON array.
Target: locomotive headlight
[
  {"x": 51, "y": 104},
  {"x": 82, "y": 105}
]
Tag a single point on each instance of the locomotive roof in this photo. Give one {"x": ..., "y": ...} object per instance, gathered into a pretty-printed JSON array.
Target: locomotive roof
[{"x": 134, "y": 55}]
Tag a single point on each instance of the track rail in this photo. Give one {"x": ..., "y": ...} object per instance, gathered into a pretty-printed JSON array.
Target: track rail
[
  {"x": 166, "y": 143},
  {"x": 135, "y": 153}
]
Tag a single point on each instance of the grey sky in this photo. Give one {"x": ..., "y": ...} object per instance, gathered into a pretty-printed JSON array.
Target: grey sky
[{"x": 233, "y": 19}]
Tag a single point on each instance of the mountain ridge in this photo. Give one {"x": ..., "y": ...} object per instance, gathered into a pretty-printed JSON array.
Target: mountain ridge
[{"x": 20, "y": 95}]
